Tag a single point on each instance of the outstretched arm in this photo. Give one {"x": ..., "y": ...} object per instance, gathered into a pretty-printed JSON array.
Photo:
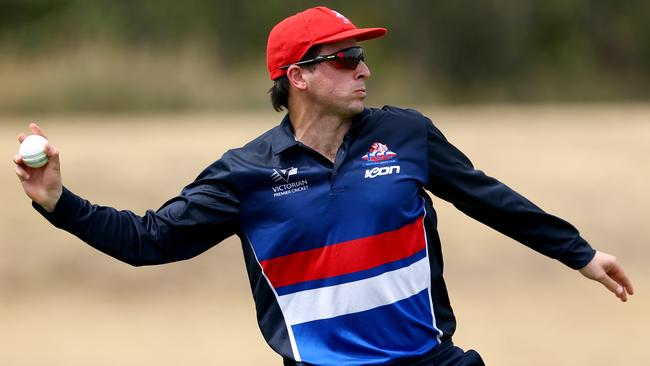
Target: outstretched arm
[
  {"x": 43, "y": 185},
  {"x": 453, "y": 178},
  {"x": 605, "y": 269},
  {"x": 202, "y": 215}
]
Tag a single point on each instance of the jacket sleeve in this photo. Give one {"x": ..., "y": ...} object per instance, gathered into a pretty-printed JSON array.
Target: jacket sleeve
[
  {"x": 205, "y": 213},
  {"x": 452, "y": 177}
]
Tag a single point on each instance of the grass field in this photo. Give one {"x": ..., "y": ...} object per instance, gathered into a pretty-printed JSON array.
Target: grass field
[{"x": 63, "y": 303}]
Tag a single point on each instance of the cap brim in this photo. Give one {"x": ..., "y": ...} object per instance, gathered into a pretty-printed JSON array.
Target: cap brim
[{"x": 362, "y": 34}]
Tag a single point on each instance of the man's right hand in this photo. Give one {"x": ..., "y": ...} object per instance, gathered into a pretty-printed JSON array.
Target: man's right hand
[{"x": 43, "y": 185}]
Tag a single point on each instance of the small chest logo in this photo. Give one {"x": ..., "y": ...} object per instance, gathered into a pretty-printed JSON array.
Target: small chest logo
[
  {"x": 287, "y": 185},
  {"x": 378, "y": 153},
  {"x": 279, "y": 175},
  {"x": 379, "y": 157}
]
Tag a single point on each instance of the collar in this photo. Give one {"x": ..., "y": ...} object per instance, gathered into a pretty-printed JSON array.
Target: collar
[{"x": 283, "y": 137}]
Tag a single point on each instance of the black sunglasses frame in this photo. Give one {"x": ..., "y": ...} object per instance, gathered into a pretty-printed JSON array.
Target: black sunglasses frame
[{"x": 332, "y": 57}]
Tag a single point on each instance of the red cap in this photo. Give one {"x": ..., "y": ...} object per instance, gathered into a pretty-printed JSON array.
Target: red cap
[{"x": 290, "y": 39}]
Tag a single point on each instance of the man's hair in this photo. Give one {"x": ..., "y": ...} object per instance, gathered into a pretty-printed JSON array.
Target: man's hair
[{"x": 280, "y": 89}]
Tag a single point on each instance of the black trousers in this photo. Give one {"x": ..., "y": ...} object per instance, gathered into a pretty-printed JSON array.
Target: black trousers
[{"x": 446, "y": 354}]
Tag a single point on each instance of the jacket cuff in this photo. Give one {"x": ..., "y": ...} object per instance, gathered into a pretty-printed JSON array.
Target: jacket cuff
[
  {"x": 64, "y": 211},
  {"x": 579, "y": 254}
]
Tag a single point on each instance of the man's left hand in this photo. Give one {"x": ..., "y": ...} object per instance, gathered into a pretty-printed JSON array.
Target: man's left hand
[{"x": 605, "y": 269}]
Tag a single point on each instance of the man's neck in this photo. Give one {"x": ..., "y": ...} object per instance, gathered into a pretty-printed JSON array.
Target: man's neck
[{"x": 321, "y": 132}]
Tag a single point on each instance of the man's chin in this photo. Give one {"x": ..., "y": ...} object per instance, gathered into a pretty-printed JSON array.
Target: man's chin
[
  {"x": 353, "y": 111},
  {"x": 357, "y": 107}
]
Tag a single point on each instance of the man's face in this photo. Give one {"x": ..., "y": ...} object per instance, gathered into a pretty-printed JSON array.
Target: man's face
[{"x": 334, "y": 90}]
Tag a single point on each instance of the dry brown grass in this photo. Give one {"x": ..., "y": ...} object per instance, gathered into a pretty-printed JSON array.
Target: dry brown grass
[{"x": 62, "y": 303}]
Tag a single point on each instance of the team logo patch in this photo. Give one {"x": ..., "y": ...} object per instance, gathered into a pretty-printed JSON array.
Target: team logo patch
[
  {"x": 283, "y": 174},
  {"x": 287, "y": 185},
  {"x": 379, "y": 157},
  {"x": 379, "y": 153}
]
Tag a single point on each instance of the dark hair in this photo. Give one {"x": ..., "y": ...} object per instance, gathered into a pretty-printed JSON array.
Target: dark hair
[{"x": 280, "y": 89}]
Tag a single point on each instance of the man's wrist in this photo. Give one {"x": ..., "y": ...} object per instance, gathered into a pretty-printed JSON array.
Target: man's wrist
[{"x": 51, "y": 204}]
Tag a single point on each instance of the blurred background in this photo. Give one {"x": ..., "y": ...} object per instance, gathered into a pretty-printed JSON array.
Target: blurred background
[
  {"x": 551, "y": 97},
  {"x": 134, "y": 55}
]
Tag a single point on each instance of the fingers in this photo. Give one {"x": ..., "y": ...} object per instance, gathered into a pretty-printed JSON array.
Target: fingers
[
  {"x": 21, "y": 173},
  {"x": 51, "y": 151},
  {"x": 614, "y": 273},
  {"x": 619, "y": 276},
  {"x": 21, "y": 169},
  {"x": 621, "y": 294},
  {"x": 622, "y": 279},
  {"x": 605, "y": 269},
  {"x": 36, "y": 129},
  {"x": 52, "y": 156},
  {"x": 612, "y": 285}
]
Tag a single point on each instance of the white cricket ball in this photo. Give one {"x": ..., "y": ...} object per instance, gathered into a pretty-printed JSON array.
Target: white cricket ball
[{"x": 32, "y": 149}]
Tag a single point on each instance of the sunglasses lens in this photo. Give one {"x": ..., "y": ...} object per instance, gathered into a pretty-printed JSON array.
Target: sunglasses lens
[{"x": 349, "y": 59}]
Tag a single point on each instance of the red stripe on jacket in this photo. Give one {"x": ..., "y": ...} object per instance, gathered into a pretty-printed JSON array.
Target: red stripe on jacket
[{"x": 346, "y": 257}]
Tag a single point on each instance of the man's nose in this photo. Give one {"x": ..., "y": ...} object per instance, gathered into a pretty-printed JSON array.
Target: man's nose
[{"x": 362, "y": 71}]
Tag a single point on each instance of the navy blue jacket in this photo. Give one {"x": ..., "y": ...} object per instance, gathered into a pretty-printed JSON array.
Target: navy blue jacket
[{"x": 343, "y": 258}]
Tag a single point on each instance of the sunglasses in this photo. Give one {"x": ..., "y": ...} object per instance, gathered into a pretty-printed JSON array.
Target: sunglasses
[{"x": 347, "y": 58}]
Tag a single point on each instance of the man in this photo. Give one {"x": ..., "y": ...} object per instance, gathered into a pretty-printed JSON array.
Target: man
[{"x": 339, "y": 235}]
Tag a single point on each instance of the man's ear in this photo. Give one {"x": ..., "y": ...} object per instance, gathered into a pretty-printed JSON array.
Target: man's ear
[{"x": 296, "y": 77}]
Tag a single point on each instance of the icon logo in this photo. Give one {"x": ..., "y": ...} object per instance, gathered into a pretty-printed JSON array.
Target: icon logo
[
  {"x": 378, "y": 153},
  {"x": 384, "y": 170},
  {"x": 283, "y": 174}
]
